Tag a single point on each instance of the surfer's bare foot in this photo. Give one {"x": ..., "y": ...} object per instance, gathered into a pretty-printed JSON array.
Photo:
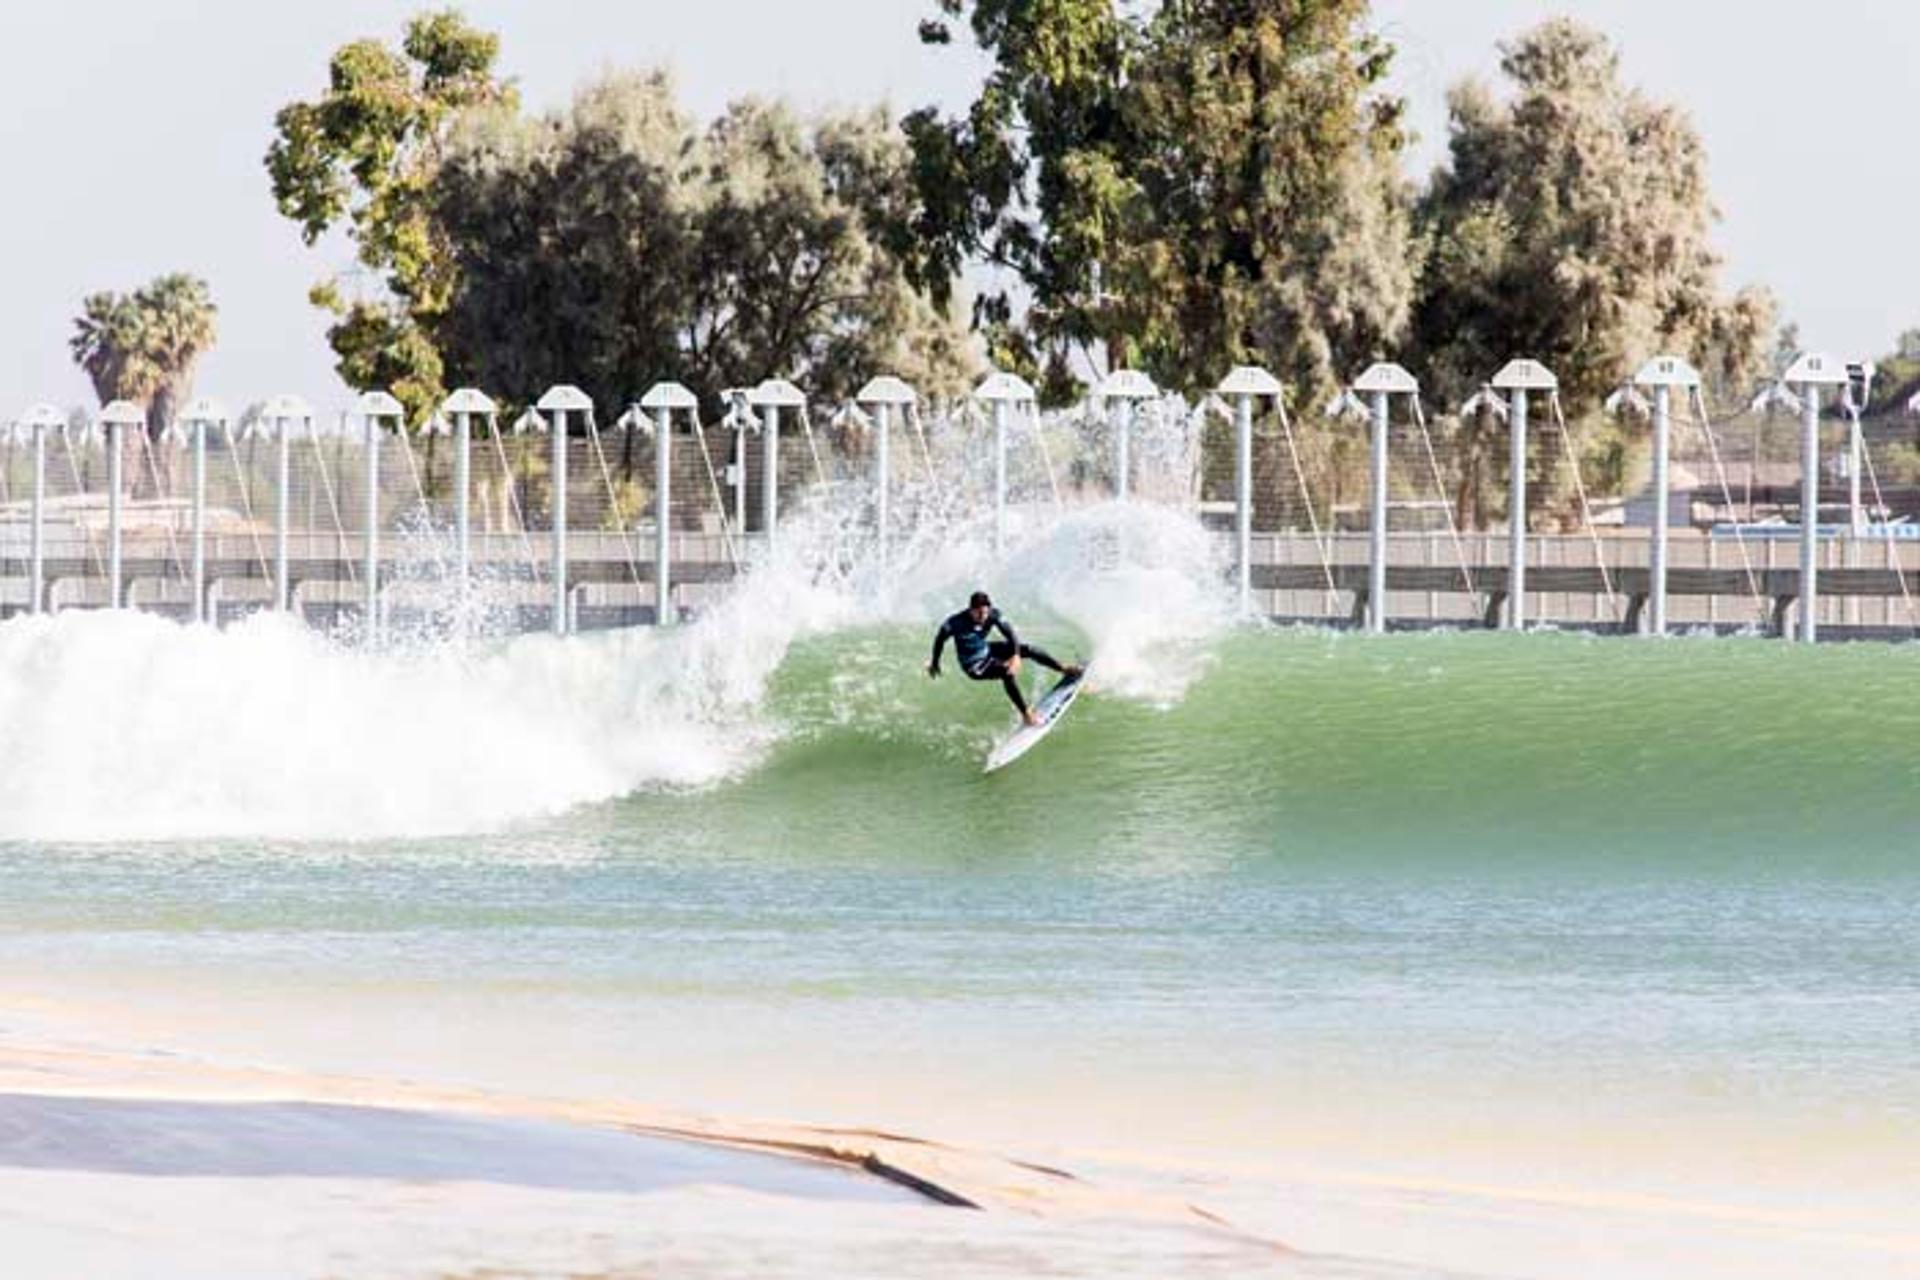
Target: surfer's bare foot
[
  {"x": 1073, "y": 671},
  {"x": 1032, "y": 718}
]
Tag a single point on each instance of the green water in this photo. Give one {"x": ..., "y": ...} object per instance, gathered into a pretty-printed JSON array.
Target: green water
[
  {"x": 1440, "y": 754},
  {"x": 1313, "y": 810},
  {"x": 1521, "y": 900}
]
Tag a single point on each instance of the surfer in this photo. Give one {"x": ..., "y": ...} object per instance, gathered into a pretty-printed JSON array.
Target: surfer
[{"x": 985, "y": 659}]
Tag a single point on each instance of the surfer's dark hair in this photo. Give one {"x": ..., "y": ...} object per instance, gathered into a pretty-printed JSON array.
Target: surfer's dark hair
[{"x": 980, "y": 600}]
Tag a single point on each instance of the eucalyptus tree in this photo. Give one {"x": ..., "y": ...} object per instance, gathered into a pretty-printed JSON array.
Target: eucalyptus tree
[
  {"x": 617, "y": 242},
  {"x": 1192, "y": 184},
  {"x": 1572, "y": 222},
  {"x": 570, "y": 238},
  {"x": 793, "y": 270},
  {"x": 1277, "y": 225},
  {"x": 361, "y": 159}
]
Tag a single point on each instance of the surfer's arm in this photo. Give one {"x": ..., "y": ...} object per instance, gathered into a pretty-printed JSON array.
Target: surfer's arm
[
  {"x": 1013, "y": 642},
  {"x": 939, "y": 643}
]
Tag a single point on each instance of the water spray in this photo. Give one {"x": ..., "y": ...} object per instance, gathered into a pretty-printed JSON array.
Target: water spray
[
  {"x": 116, "y": 417},
  {"x": 374, "y": 408},
  {"x": 1123, "y": 392},
  {"x": 200, "y": 415},
  {"x": 1245, "y": 386},
  {"x": 37, "y": 421},
  {"x": 1002, "y": 391}
]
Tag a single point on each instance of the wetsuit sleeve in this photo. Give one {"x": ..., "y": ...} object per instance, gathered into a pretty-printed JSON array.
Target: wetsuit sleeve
[
  {"x": 939, "y": 643},
  {"x": 1006, "y": 629}
]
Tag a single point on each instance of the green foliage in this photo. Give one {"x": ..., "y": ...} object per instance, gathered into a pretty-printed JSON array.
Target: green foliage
[
  {"x": 570, "y": 243},
  {"x": 1198, "y": 183},
  {"x": 1571, "y": 224},
  {"x": 142, "y": 346},
  {"x": 627, "y": 502},
  {"x": 1278, "y": 223},
  {"x": 1898, "y": 376},
  {"x": 792, "y": 270},
  {"x": 361, "y": 158},
  {"x": 614, "y": 244}
]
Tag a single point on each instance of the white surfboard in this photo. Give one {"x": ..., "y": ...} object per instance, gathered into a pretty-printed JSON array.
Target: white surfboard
[{"x": 1052, "y": 708}]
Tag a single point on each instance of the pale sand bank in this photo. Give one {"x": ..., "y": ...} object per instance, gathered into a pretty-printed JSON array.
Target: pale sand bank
[{"x": 131, "y": 1164}]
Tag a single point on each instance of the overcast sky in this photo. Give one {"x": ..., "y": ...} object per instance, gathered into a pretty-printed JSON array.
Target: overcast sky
[{"x": 132, "y": 132}]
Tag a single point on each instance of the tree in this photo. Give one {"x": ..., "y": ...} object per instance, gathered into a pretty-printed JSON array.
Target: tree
[
  {"x": 109, "y": 342},
  {"x": 1571, "y": 223},
  {"x": 791, "y": 270},
  {"x": 1028, "y": 181},
  {"x": 570, "y": 238},
  {"x": 143, "y": 346},
  {"x": 1897, "y": 377},
  {"x": 1278, "y": 227},
  {"x": 1193, "y": 184},
  {"x": 361, "y": 158},
  {"x": 180, "y": 325},
  {"x": 615, "y": 243}
]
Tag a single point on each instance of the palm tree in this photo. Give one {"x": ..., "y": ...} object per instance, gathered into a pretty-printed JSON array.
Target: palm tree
[
  {"x": 109, "y": 344},
  {"x": 143, "y": 346},
  {"x": 178, "y": 318}
]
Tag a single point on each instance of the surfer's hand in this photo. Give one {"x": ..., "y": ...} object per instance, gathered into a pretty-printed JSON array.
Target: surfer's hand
[
  {"x": 933, "y": 670},
  {"x": 1013, "y": 665}
]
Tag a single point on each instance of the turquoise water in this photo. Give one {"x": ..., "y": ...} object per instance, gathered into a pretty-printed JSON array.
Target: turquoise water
[
  {"x": 1631, "y": 917},
  {"x": 1694, "y": 859}
]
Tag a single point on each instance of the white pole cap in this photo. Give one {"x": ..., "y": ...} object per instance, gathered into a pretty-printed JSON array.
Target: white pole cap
[
  {"x": 1250, "y": 380},
  {"x": 1003, "y": 388}
]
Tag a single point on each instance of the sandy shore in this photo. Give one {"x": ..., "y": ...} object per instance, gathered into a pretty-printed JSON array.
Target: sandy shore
[{"x": 155, "y": 1164}]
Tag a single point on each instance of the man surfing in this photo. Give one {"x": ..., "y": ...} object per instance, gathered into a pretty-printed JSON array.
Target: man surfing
[{"x": 985, "y": 659}]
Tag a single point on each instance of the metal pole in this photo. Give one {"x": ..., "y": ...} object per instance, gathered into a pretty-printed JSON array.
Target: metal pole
[
  {"x": 559, "y": 572},
  {"x": 1517, "y": 515},
  {"x": 1243, "y": 497},
  {"x": 1123, "y": 428},
  {"x": 372, "y": 549},
  {"x": 37, "y": 536},
  {"x": 1377, "y": 526},
  {"x": 199, "y": 521},
  {"x": 999, "y": 475},
  {"x": 663, "y": 517},
  {"x": 770, "y": 469},
  {"x": 462, "y": 500},
  {"x": 883, "y": 415},
  {"x": 1657, "y": 567},
  {"x": 740, "y": 478},
  {"x": 1857, "y": 518},
  {"x": 1809, "y": 512},
  {"x": 114, "y": 444},
  {"x": 283, "y": 514}
]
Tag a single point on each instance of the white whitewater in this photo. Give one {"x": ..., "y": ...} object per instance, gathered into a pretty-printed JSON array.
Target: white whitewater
[{"x": 128, "y": 727}]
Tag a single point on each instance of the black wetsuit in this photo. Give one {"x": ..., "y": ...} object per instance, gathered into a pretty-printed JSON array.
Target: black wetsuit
[{"x": 984, "y": 659}]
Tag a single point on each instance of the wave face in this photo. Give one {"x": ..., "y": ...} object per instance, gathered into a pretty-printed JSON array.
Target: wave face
[
  {"x": 126, "y": 727},
  {"x": 800, "y": 699}
]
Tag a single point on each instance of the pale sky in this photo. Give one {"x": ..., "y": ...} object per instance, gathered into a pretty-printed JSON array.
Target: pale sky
[{"x": 132, "y": 133}]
